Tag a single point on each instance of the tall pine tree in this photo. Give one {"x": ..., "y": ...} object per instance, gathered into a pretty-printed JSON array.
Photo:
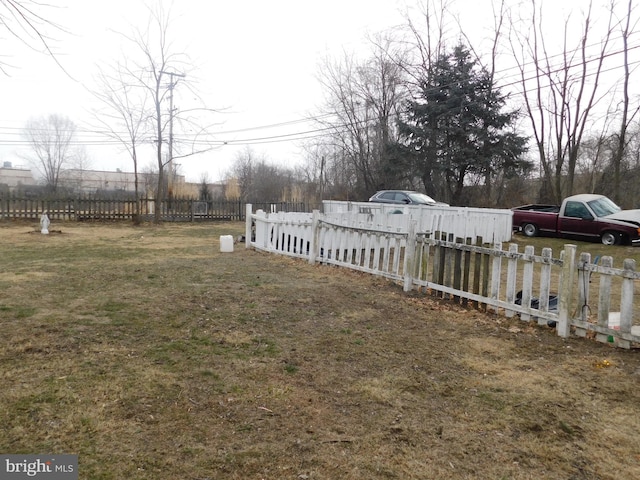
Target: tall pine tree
[{"x": 456, "y": 129}]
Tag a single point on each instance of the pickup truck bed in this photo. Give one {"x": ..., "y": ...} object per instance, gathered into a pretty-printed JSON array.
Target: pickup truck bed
[
  {"x": 585, "y": 216},
  {"x": 540, "y": 208}
]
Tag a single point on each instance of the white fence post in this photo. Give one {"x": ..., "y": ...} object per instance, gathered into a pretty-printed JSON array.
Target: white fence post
[
  {"x": 545, "y": 283},
  {"x": 527, "y": 282},
  {"x": 584, "y": 278},
  {"x": 262, "y": 228},
  {"x": 409, "y": 255},
  {"x": 512, "y": 270},
  {"x": 566, "y": 291},
  {"x": 604, "y": 298},
  {"x": 496, "y": 271},
  {"x": 314, "y": 241},
  {"x": 626, "y": 302}
]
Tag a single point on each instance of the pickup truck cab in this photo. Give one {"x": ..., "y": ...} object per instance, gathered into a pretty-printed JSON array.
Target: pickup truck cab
[{"x": 586, "y": 217}]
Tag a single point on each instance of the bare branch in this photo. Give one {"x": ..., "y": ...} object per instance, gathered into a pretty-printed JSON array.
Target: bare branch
[{"x": 22, "y": 21}]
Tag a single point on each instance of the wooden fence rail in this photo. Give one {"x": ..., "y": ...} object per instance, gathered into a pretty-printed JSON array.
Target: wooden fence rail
[{"x": 559, "y": 292}]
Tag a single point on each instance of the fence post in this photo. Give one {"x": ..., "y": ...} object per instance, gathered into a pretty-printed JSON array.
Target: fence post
[
  {"x": 496, "y": 270},
  {"x": 584, "y": 278},
  {"x": 466, "y": 272},
  {"x": 604, "y": 298},
  {"x": 566, "y": 290},
  {"x": 457, "y": 269},
  {"x": 315, "y": 237},
  {"x": 527, "y": 281},
  {"x": 409, "y": 254},
  {"x": 248, "y": 237},
  {"x": 485, "y": 277},
  {"x": 626, "y": 302},
  {"x": 477, "y": 265},
  {"x": 512, "y": 270},
  {"x": 545, "y": 283}
]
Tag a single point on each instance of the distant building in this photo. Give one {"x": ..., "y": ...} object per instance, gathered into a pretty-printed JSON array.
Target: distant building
[
  {"x": 94, "y": 181},
  {"x": 20, "y": 179},
  {"x": 14, "y": 177}
]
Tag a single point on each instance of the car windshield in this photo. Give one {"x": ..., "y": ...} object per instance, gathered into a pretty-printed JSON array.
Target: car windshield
[
  {"x": 421, "y": 198},
  {"x": 603, "y": 207}
]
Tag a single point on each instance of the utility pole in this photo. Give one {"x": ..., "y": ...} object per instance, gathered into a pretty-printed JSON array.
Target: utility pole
[{"x": 172, "y": 84}]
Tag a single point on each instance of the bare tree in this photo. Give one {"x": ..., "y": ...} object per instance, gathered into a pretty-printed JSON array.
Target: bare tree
[
  {"x": 141, "y": 94},
  {"x": 242, "y": 171},
  {"x": 51, "y": 140},
  {"x": 428, "y": 33},
  {"x": 427, "y": 38},
  {"x": 626, "y": 115},
  {"x": 560, "y": 96},
  {"x": 595, "y": 151},
  {"x": 314, "y": 173},
  {"x": 363, "y": 98},
  {"x": 258, "y": 180},
  {"x": 137, "y": 91},
  {"x": 152, "y": 74},
  {"x": 500, "y": 14},
  {"x": 22, "y": 20},
  {"x": 126, "y": 116}
]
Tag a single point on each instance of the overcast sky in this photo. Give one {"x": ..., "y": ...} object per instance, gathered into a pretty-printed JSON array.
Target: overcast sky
[{"x": 256, "y": 59}]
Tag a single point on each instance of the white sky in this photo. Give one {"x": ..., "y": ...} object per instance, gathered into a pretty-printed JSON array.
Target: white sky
[
  {"x": 258, "y": 58},
  {"x": 255, "y": 58}
]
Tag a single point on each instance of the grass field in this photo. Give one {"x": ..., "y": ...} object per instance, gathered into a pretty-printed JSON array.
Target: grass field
[{"x": 152, "y": 355}]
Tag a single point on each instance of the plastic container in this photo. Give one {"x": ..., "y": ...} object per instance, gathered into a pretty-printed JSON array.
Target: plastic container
[
  {"x": 614, "y": 320},
  {"x": 226, "y": 243}
]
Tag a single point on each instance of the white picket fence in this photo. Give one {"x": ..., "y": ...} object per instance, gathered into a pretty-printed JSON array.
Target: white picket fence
[
  {"x": 541, "y": 288},
  {"x": 492, "y": 224}
]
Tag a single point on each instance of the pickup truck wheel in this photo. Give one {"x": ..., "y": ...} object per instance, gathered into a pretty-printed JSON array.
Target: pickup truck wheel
[
  {"x": 529, "y": 230},
  {"x": 609, "y": 238}
]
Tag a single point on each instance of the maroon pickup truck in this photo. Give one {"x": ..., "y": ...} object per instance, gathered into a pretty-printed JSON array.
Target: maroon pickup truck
[{"x": 584, "y": 217}]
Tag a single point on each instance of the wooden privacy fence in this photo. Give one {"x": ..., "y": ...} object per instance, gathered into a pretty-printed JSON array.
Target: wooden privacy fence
[
  {"x": 573, "y": 295},
  {"x": 99, "y": 208}
]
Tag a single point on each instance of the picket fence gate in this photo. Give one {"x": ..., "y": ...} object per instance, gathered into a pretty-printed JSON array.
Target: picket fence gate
[{"x": 558, "y": 292}]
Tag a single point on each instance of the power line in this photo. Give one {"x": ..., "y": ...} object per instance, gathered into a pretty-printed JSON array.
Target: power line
[{"x": 306, "y": 134}]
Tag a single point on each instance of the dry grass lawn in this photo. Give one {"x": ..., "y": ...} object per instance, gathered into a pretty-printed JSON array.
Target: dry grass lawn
[{"x": 152, "y": 355}]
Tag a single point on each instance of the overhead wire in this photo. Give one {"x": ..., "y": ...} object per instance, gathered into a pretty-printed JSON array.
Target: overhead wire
[{"x": 95, "y": 138}]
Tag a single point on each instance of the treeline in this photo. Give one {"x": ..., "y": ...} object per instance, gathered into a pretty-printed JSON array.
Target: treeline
[{"x": 541, "y": 107}]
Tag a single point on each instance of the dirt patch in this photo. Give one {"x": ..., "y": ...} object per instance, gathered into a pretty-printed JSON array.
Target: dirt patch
[{"x": 152, "y": 355}]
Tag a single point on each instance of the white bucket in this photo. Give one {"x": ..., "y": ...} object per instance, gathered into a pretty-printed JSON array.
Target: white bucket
[{"x": 226, "y": 243}]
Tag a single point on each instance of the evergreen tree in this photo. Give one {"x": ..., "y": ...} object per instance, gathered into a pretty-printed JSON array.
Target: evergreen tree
[{"x": 455, "y": 129}]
